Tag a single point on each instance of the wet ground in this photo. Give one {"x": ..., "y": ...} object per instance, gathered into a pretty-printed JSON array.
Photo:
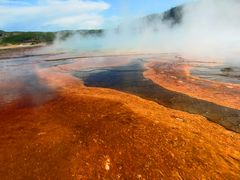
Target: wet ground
[
  {"x": 54, "y": 127},
  {"x": 130, "y": 79},
  {"x": 20, "y": 80},
  {"x": 221, "y": 73}
]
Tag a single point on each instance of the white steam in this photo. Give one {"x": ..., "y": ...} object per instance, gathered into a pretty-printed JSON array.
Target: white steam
[{"x": 209, "y": 28}]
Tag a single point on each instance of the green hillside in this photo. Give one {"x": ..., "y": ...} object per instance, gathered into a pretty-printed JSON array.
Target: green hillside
[
  {"x": 26, "y": 37},
  {"x": 41, "y": 37}
]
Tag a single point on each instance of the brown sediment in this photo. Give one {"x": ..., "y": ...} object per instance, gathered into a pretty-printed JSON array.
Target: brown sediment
[
  {"x": 93, "y": 63},
  {"x": 11, "y": 52},
  {"x": 176, "y": 77},
  {"x": 21, "y": 46},
  {"x": 90, "y": 133}
]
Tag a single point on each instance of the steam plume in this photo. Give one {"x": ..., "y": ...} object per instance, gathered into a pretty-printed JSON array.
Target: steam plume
[{"x": 206, "y": 28}]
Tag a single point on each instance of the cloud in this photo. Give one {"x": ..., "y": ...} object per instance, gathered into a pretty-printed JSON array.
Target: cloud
[
  {"x": 14, "y": 2},
  {"x": 51, "y": 15}
]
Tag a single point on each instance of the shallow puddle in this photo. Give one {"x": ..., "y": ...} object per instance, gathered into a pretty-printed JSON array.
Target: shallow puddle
[{"x": 223, "y": 73}]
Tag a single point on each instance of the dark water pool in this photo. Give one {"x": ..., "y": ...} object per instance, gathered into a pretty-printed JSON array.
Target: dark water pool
[{"x": 130, "y": 79}]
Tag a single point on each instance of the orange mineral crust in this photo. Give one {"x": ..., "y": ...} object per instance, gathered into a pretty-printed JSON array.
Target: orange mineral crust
[
  {"x": 94, "y": 133},
  {"x": 175, "y": 76}
]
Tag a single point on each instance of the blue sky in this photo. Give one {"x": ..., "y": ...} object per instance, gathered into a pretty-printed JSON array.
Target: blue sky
[{"x": 53, "y": 15}]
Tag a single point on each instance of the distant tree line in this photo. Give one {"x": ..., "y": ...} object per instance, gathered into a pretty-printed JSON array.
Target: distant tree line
[
  {"x": 42, "y": 37},
  {"x": 26, "y": 37}
]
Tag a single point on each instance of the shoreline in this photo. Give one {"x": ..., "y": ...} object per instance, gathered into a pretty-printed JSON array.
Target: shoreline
[
  {"x": 21, "y": 46},
  {"x": 177, "y": 77}
]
